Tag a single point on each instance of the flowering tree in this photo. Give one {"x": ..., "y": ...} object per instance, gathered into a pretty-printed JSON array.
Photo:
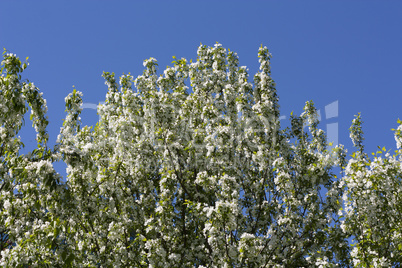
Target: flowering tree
[
  {"x": 187, "y": 169},
  {"x": 373, "y": 203},
  {"x": 29, "y": 184}
]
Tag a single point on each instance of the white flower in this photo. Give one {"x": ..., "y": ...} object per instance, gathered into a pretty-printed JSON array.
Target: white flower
[
  {"x": 80, "y": 245},
  {"x": 7, "y": 204}
]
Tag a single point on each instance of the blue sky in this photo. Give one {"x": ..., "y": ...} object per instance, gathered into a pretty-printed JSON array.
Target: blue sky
[{"x": 325, "y": 51}]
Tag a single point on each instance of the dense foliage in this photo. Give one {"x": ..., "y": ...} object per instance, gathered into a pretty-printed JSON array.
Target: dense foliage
[{"x": 191, "y": 168}]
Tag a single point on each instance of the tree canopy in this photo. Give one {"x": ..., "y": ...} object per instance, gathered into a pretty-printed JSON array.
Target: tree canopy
[{"x": 191, "y": 168}]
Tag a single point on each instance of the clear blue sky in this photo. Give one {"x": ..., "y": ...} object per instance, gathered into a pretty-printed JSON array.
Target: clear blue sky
[{"x": 325, "y": 51}]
